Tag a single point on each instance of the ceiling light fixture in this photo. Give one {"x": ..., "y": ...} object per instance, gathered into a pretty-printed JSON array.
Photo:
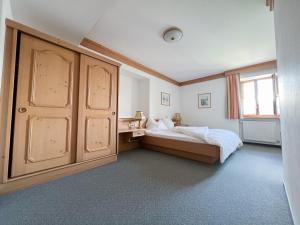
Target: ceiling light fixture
[{"x": 173, "y": 34}]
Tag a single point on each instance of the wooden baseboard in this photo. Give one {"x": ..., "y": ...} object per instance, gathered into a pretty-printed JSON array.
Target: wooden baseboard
[{"x": 19, "y": 183}]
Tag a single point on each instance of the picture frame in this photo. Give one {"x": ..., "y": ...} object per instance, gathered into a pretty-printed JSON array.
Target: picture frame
[
  {"x": 204, "y": 100},
  {"x": 165, "y": 99}
]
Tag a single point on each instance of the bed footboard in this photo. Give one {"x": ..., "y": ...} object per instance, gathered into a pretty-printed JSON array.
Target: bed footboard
[{"x": 196, "y": 151}]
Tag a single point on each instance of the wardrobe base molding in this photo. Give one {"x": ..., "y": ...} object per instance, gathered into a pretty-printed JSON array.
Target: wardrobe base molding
[{"x": 29, "y": 180}]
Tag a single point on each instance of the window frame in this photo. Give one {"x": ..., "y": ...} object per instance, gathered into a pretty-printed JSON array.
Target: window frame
[{"x": 275, "y": 96}]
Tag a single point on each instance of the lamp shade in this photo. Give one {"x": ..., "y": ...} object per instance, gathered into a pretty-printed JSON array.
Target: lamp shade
[
  {"x": 139, "y": 115},
  {"x": 177, "y": 116}
]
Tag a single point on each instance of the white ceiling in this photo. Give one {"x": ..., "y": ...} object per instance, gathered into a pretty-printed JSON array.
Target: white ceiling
[{"x": 218, "y": 35}]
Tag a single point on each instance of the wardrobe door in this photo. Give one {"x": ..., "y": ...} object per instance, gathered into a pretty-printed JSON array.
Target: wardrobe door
[
  {"x": 46, "y": 107},
  {"x": 97, "y": 109}
]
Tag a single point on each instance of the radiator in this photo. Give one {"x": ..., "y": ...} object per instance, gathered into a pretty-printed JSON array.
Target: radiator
[{"x": 261, "y": 131}]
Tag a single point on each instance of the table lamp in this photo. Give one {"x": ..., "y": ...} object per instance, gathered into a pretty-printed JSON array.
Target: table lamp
[
  {"x": 177, "y": 119},
  {"x": 139, "y": 115}
]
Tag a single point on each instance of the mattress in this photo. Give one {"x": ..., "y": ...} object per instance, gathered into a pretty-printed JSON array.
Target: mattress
[{"x": 168, "y": 134}]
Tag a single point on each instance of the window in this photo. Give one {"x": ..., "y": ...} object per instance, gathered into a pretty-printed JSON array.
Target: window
[{"x": 260, "y": 96}]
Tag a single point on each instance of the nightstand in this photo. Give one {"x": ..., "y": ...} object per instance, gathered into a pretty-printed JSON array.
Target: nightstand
[{"x": 130, "y": 138}]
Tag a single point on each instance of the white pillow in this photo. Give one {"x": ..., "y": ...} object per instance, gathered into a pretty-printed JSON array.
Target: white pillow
[
  {"x": 169, "y": 123},
  {"x": 162, "y": 126},
  {"x": 152, "y": 124}
]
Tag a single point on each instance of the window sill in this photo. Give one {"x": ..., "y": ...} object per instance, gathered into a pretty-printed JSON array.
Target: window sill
[{"x": 260, "y": 117}]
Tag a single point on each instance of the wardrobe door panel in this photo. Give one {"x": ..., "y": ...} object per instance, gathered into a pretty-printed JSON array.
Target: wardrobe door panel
[
  {"x": 45, "y": 117},
  {"x": 99, "y": 87},
  {"x": 54, "y": 71},
  {"x": 50, "y": 144},
  {"x": 97, "y": 109},
  {"x": 97, "y": 134}
]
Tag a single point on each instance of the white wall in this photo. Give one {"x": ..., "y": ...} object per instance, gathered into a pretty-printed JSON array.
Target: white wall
[
  {"x": 5, "y": 12},
  {"x": 156, "y": 109},
  {"x": 156, "y": 86},
  {"x": 133, "y": 94},
  {"x": 214, "y": 117},
  {"x": 128, "y": 96},
  {"x": 144, "y": 96},
  {"x": 287, "y": 29}
]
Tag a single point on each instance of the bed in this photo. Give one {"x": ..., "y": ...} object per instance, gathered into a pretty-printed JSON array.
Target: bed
[
  {"x": 180, "y": 141},
  {"x": 181, "y": 145}
]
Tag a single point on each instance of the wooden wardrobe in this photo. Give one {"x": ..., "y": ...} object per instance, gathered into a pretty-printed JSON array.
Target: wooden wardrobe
[{"x": 59, "y": 105}]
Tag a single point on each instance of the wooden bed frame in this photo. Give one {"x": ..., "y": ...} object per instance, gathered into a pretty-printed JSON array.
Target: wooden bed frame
[{"x": 196, "y": 151}]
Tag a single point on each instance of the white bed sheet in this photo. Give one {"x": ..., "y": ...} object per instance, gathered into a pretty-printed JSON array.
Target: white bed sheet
[
  {"x": 227, "y": 140},
  {"x": 168, "y": 134}
]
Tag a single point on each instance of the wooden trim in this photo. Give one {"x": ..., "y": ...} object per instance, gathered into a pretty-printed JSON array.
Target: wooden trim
[
  {"x": 182, "y": 154},
  {"x": 203, "y": 79},
  {"x": 251, "y": 79},
  {"x": 117, "y": 111},
  {"x": 260, "y": 117},
  {"x": 6, "y": 100},
  {"x": 245, "y": 69},
  {"x": 52, "y": 174},
  {"x": 251, "y": 68},
  {"x": 124, "y": 59},
  {"x": 130, "y": 130},
  {"x": 190, "y": 147},
  {"x": 127, "y": 119},
  {"x": 54, "y": 40}
]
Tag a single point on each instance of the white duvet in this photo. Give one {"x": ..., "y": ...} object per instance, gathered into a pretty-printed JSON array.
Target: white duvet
[{"x": 227, "y": 140}]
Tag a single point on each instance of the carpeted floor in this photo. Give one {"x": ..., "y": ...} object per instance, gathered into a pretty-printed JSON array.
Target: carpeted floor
[{"x": 146, "y": 187}]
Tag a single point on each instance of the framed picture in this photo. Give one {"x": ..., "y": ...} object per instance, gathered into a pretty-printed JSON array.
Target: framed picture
[
  {"x": 204, "y": 100},
  {"x": 165, "y": 98}
]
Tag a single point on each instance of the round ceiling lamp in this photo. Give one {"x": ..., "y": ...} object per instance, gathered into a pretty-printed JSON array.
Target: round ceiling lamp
[{"x": 173, "y": 34}]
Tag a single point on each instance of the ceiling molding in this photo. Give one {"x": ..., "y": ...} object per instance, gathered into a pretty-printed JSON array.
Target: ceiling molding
[
  {"x": 202, "y": 79},
  {"x": 124, "y": 59},
  {"x": 245, "y": 69},
  {"x": 259, "y": 66}
]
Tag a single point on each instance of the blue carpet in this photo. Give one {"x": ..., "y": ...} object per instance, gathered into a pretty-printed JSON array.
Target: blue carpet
[{"x": 146, "y": 187}]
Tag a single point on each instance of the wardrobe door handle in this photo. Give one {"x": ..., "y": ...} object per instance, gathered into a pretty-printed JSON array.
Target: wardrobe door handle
[
  {"x": 22, "y": 110},
  {"x": 113, "y": 113}
]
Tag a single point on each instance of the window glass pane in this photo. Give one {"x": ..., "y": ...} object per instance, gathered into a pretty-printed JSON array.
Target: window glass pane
[
  {"x": 249, "y": 105},
  {"x": 265, "y": 96}
]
